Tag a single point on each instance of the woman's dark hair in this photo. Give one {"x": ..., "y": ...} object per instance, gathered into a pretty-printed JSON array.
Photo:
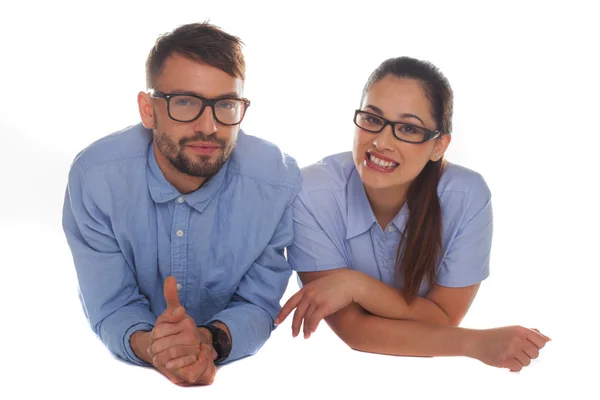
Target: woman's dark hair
[
  {"x": 198, "y": 41},
  {"x": 420, "y": 246}
]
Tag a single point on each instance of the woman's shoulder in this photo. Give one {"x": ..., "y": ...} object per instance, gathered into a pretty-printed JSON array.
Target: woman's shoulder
[
  {"x": 462, "y": 184},
  {"x": 329, "y": 174}
]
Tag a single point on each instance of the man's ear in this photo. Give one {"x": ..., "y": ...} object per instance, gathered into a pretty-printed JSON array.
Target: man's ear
[{"x": 146, "y": 111}]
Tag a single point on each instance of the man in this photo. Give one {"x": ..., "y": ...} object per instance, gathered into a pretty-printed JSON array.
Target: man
[{"x": 178, "y": 225}]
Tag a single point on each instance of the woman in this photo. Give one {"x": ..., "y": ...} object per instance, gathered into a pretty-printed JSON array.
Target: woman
[{"x": 391, "y": 241}]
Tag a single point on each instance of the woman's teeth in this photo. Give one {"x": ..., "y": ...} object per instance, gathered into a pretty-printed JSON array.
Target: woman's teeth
[{"x": 382, "y": 163}]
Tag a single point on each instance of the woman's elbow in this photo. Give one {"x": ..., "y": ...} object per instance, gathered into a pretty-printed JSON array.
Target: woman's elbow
[{"x": 454, "y": 321}]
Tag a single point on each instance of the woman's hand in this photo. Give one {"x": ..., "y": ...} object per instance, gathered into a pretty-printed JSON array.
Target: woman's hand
[
  {"x": 511, "y": 347},
  {"x": 321, "y": 298}
]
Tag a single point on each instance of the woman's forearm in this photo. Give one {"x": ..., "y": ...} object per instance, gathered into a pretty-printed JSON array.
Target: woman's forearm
[
  {"x": 385, "y": 301},
  {"x": 374, "y": 334}
]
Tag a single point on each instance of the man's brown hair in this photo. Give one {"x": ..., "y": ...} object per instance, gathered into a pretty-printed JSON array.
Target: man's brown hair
[{"x": 199, "y": 41}]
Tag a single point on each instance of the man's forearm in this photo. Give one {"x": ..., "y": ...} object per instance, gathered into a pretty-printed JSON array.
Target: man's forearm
[{"x": 385, "y": 301}]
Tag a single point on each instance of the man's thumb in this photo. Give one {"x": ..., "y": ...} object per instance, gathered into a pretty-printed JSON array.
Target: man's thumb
[{"x": 171, "y": 295}]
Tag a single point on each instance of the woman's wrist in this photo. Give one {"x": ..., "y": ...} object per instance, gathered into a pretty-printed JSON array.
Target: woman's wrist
[
  {"x": 469, "y": 342},
  {"x": 359, "y": 283}
]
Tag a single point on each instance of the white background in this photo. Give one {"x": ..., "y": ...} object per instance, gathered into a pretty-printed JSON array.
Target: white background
[{"x": 525, "y": 77}]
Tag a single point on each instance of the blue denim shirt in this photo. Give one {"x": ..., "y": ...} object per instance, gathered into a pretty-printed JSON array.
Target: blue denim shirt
[
  {"x": 334, "y": 225},
  {"x": 128, "y": 229}
]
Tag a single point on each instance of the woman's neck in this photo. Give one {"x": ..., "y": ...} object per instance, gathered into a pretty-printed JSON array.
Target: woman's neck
[{"x": 386, "y": 203}]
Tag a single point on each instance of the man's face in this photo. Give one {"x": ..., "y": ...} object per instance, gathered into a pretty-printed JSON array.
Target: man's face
[{"x": 198, "y": 148}]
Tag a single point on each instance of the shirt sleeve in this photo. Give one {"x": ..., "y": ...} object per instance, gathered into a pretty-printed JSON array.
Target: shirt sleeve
[
  {"x": 467, "y": 260},
  {"x": 108, "y": 289},
  {"x": 251, "y": 313},
  {"x": 314, "y": 249}
]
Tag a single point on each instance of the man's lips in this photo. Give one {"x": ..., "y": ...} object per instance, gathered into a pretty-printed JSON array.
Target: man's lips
[{"x": 204, "y": 148}]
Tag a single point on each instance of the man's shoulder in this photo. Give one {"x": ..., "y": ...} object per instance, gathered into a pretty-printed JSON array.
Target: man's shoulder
[
  {"x": 330, "y": 173},
  {"x": 264, "y": 162},
  {"x": 130, "y": 143}
]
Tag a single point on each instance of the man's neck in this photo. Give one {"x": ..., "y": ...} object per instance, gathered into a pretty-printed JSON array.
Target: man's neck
[{"x": 182, "y": 182}]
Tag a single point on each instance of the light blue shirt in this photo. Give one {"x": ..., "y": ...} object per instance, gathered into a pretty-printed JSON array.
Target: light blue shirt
[
  {"x": 334, "y": 225},
  {"x": 128, "y": 229}
]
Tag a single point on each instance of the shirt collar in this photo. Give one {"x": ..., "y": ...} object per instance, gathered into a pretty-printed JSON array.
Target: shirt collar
[
  {"x": 360, "y": 215},
  {"x": 400, "y": 219},
  {"x": 162, "y": 191}
]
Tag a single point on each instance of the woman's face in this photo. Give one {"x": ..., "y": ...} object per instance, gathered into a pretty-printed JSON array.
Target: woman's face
[{"x": 383, "y": 161}]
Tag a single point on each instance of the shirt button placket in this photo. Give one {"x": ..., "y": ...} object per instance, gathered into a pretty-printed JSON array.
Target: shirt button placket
[{"x": 179, "y": 245}]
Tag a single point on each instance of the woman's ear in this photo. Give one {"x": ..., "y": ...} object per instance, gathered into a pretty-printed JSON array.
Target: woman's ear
[{"x": 440, "y": 147}]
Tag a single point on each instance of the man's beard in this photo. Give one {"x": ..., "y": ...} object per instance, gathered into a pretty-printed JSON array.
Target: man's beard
[{"x": 202, "y": 168}]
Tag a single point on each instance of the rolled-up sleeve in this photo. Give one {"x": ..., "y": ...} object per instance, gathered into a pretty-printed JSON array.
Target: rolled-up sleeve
[
  {"x": 108, "y": 290},
  {"x": 255, "y": 305},
  {"x": 467, "y": 260}
]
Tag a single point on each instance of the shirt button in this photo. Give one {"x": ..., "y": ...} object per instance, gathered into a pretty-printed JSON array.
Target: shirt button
[
  {"x": 179, "y": 233},
  {"x": 179, "y": 286},
  {"x": 390, "y": 229},
  {"x": 180, "y": 200}
]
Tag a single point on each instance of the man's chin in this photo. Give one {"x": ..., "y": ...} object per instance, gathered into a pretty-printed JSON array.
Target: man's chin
[{"x": 203, "y": 169}]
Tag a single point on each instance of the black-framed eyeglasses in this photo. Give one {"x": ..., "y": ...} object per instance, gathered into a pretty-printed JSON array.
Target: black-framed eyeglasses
[
  {"x": 402, "y": 131},
  {"x": 183, "y": 107}
]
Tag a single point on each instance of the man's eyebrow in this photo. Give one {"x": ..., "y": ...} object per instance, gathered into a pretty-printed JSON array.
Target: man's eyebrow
[{"x": 222, "y": 96}]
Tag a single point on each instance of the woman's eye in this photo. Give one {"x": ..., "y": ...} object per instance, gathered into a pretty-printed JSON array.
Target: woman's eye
[
  {"x": 408, "y": 129},
  {"x": 373, "y": 120}
]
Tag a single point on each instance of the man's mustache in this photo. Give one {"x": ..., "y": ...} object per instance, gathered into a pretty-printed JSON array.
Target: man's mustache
[{"x": 202, "y": 137}]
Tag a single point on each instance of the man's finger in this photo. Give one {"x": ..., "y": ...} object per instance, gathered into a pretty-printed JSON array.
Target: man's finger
[
  {"x": 171, "y": 315},
  {"x": 160, "y": 345},
  {"x": 194, "y": 371},
  {"x": 173, "y": 353},
  {"x": 174, "y": 379},
  {"x": 181, "y": 362},
  {"x": 165, "y": 327},
  {"x": 170, "y": 292},
  {"x": 208, "y": 376},
  {"x": 288, "y": 307}
]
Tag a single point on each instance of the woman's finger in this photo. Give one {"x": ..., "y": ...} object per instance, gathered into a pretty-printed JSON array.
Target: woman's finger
[
  {"x": 299, "y": 316},
  {"x": 307, "y": 317}
]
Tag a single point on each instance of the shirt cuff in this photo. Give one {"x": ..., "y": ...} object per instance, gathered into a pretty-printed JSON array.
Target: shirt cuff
[
  {"x": 249, "y": 330},
  {"x": 140, "y": 326}
]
